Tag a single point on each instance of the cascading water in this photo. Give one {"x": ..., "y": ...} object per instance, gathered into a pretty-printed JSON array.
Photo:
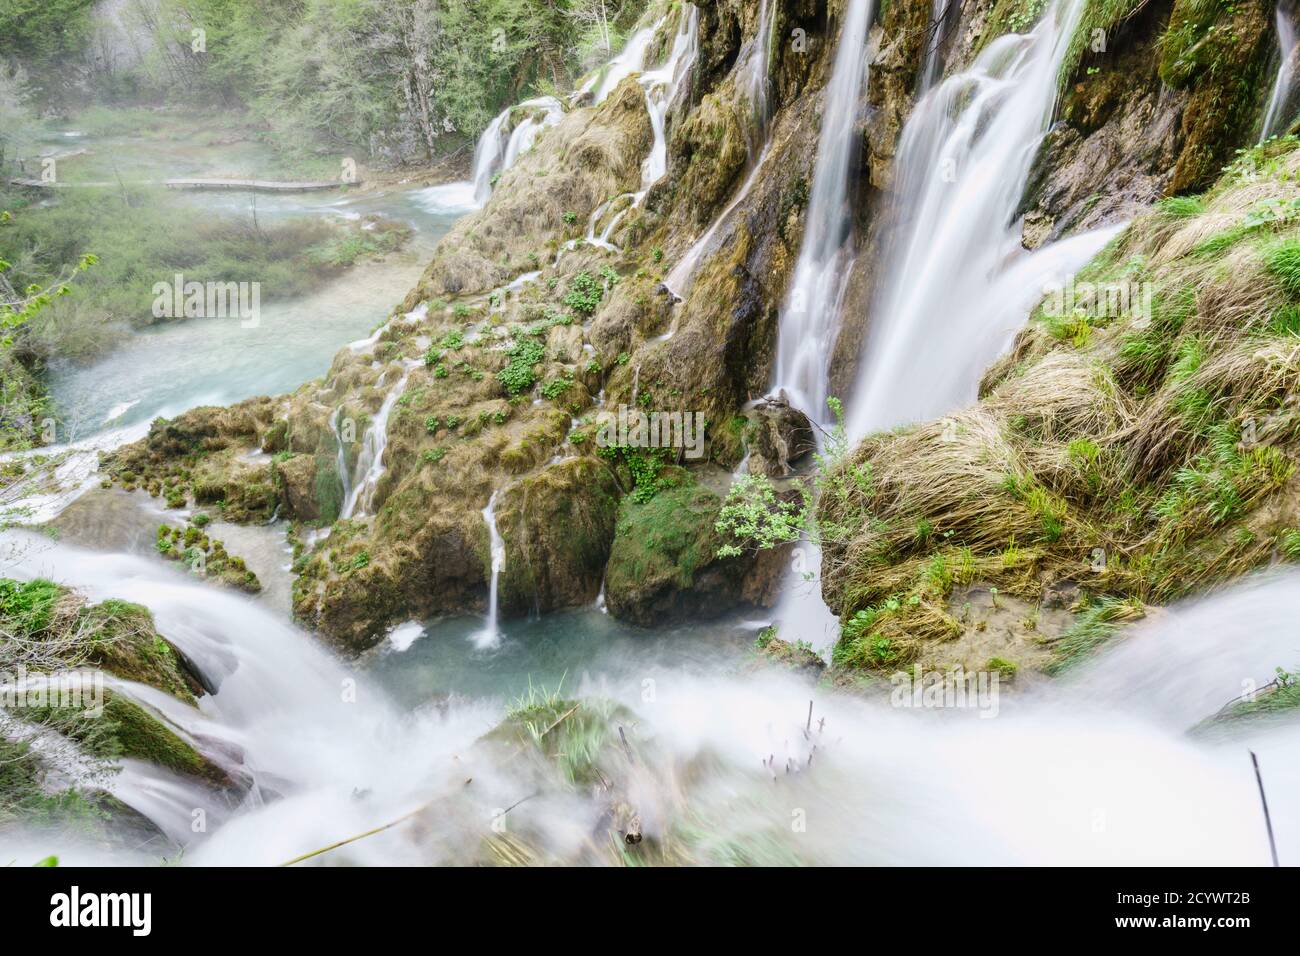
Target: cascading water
[
  {"x": 810, "y": 313},
  {"x": 957, "y": 284},
  {"x": 630, "y": 60},
  {"x": 342, "y": 759},
  {"x": 756, "y": 64},
  {"x": 809, "y": 316},
  {"x": 932, "y": 62},
  {"x": 753, "y": 70},
  {"x": 661, "y": 87},
  {"x": 497, "y": 150},
  {"x": 370, "y": 462},
  {"x": 1280, "y": 106},
  {"x": 490, "y": 636}
]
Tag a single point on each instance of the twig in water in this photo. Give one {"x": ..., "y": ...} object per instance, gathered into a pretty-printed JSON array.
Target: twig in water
[
  {"x": 359, "y": 836},
  {"x": 1268, "y": 820},
  {"x": 808, "y": 726},
  {"x": 626, "y": 748},
  {"x": 558, "y": 720}
]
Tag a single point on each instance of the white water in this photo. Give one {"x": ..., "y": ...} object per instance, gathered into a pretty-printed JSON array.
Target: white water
[
  {"x": 809, "y": 316},
  {"x": 370, "y": 465},
  {"x": 330, "y": 755},
  {"x": 632, "y": 59},
  {"x": 661, "y": 87},
  {"x": 490, "y": 636},
  {"x": 755, "y": 70},
  {"x": 959, "y": 283},
  {"x": 1276, "y": 118},
  {"x": 499, "y": 146}
]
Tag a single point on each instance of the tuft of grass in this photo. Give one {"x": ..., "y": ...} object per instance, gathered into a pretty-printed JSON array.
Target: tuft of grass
[
  {"x": 1283, "y": 263},
  {"x": 1094, "y": 627}
]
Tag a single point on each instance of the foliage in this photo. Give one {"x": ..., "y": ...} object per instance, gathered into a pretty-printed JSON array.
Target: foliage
[
  {"x": 585, "y": 293},
  {"x": 754, "y": 517},
  {"x": 519, "y": 375}
]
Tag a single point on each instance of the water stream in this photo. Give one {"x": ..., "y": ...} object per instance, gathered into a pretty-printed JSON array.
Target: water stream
[
  {"x": 1280, "y": 111},
  {"x": 809, "y": 315},
  {"x": 959, "y": 285}
]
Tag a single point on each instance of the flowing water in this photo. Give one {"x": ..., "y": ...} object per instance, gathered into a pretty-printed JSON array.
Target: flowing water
[
  {"x": 370, "y": 466},
  {"x": 332, "y": 751},
  {"x": 500, "y": 145},
  {"x": 1281, "y": 108},
  {"x": 958, "y": 284},
  {"x": 490, "y": 636},
  {"x": 809, "y": 316}
]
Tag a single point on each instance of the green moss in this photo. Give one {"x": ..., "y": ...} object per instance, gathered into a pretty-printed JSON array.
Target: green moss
[
  {"x": 667, "y": 538},
  {"x": 126, "y": 731}
]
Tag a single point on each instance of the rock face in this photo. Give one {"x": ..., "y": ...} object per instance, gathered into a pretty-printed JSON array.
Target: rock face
[{"x": 780, "y": 436}]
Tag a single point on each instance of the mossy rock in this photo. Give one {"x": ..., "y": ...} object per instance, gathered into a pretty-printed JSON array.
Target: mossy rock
[
  {"x": 558, "y": 527},
  {"x": 125, "y": 730},
  {"x": 117, "y": 636},
  {"x": 664, "y": 563}
]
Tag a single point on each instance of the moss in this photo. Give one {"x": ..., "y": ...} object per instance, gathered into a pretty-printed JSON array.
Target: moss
[
  {"x": 1218, "y": 49},
  {"x": 126, "y": 731}
]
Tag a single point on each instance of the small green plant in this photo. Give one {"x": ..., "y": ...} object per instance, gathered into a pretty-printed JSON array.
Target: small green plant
[
  {"x": 556, "y": 387},
  {"x": 753, "y": 517},
  {"x": 585, "y": 293},
  {"x": 518, "y": 375},
  {"x": 570, "y": 218},
  {"x": 433, "y": 455}
]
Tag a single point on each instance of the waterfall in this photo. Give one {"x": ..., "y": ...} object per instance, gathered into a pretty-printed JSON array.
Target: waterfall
[
  {"x": 1277, "y": 118},
  {"x": 341, "y": 458},
  {"x": 630, "y": 60},
  {"x": 370, "y": 462},
  {"x": 931, "y": 63},
  {"x": 490, "y": 636},
  {"x": 497, "y": 151},
  {"x": 956, "y": 283},
  {"x": 808, "y": 320},
  {"x": 756, "y": 64},
  {"x": 661, "y": 87}
]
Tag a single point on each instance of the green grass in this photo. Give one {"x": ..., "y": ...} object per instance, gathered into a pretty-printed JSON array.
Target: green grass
[{"x": 1092, "y": 628}]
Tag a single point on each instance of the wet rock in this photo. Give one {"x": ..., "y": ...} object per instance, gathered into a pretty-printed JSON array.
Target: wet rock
[
  {"x": 779, "y": 437},
  {"x": 664, "y": 564}
]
